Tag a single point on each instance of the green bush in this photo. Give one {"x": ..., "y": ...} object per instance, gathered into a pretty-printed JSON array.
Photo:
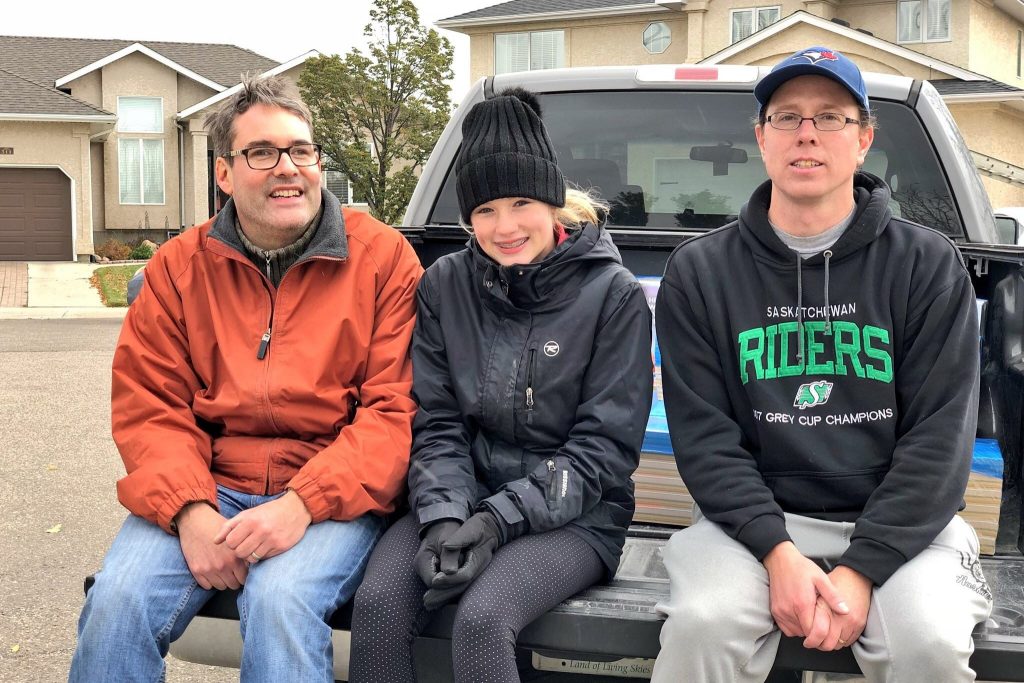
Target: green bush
[
  {"x": 141, "y": 252},
  {"x": 115, "y": 250}
]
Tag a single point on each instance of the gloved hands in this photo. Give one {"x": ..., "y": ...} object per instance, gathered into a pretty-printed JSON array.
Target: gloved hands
[
  {"x": 464, "y": 556},
  {"x": 427, "y": 561}
]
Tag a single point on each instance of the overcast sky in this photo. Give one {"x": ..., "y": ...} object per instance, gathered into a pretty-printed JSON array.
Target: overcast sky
[{"x": 276, "y": 29}]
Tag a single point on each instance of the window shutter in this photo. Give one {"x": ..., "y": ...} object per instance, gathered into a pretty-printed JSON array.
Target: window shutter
[
  {"x": 153, "y": 171},
  {"x": 128, "y": 171}
]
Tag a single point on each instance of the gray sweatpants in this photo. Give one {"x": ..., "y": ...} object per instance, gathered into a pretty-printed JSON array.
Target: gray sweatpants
[{"x": 719, "y": 625}]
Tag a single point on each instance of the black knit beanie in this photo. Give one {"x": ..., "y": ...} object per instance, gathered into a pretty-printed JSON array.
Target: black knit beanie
[{"x": 506, "y": 152}]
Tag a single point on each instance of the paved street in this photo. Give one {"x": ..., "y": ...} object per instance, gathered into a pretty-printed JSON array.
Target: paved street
[{"x": 60, "y": 511}]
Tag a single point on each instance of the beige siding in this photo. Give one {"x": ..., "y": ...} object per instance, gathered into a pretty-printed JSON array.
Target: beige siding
[
  {"x": 880, "y": 19},
  {"x": 994, "y": 130},
  {"x": 58, "y": 145},
  {"x": 98, "y": 207},
  {"x": 88, "y": 88},
  {"x": 139, "y": 76},
  {"x": 481, "y": 55},
  {"x": 1002, "y": 193},
  {"x": 770, "y": 51},
  {"x": 591, "y": 42},
  {"x": 718, "y": 21},
  {"x": 191, "y": 93},
  {"x": 993, "y": 45}
]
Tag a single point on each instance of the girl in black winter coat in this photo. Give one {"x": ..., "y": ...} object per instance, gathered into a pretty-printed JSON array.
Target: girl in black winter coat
[{"x": 532, "y": 370}]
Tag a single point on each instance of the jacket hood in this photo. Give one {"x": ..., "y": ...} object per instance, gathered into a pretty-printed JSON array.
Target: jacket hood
[
  {"x": 871, "y": 217},
  {"x": 329, "y": 239},
  {"x": 531, "y": 285}
]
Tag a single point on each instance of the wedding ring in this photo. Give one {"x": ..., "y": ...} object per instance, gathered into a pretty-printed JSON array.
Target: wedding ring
[{"x": 255, "y": 557}]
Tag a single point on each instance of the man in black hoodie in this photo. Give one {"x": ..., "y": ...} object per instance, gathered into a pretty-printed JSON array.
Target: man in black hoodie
[{"x": 822, "y": 404}]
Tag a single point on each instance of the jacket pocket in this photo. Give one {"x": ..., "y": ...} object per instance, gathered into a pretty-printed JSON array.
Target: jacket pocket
[
  {"x": 530, "y": 366},
  {"x": 552, "y": 496}
]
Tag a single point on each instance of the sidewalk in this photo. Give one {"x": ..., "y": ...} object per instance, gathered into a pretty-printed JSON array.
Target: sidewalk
[
  {"x": 51, "y": 290},
  {"x": 13, "y": 284}
]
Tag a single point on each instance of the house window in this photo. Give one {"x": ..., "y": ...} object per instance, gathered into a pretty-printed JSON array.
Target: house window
[
  {"x": 922, "y": 21},
  {"x": 140, "y": 160},
  {"x": 747, "y": 21},
  {"x": 140, "y": 115},
  {"x": 657, "y": 37},
  {"x": 337, "y": 183},
  {"x": 528, "y": 51},
  {"x": 141, "y": 170}
]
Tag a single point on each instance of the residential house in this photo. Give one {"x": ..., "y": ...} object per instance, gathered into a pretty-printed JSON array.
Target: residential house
[
  {"x": 105, "y": 138},
  {"x": 970, "y": 50}
]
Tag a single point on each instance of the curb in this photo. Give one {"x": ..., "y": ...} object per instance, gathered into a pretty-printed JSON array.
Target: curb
[{"x": 63, "y": 313}]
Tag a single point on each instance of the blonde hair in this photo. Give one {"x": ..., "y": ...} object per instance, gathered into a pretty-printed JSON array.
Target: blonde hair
[{"x": 581, "y": 206}]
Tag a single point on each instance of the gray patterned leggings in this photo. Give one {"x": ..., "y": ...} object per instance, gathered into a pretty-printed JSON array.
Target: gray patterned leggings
[{"x": 527, "y": 577}]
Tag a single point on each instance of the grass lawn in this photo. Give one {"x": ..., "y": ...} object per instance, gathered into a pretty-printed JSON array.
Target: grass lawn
[{"x": 112, "y": 281}]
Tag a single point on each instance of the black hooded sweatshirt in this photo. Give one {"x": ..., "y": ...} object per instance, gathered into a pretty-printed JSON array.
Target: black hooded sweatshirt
[{"x": 842, "y": 387}]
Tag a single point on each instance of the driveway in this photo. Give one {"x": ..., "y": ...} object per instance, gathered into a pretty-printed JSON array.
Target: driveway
[{"x": 60, "y": 509}]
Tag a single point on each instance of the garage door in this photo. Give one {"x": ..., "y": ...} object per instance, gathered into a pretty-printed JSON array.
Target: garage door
[{"x": 35, "y": 215}]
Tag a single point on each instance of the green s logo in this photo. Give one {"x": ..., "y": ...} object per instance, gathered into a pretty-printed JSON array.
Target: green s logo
[{"x": 812, "y": 394}]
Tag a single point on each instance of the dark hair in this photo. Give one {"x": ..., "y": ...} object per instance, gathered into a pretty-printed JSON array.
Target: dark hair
[{"x": 272, "y": 91}]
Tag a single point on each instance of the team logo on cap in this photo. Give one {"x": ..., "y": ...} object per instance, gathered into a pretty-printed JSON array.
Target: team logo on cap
[{"x": 815, "y": 56}]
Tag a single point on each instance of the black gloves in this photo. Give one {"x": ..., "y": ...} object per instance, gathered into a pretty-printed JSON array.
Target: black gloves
[
  {"x": 464, "y": 556},
  {"x": 427, "y": 559}
]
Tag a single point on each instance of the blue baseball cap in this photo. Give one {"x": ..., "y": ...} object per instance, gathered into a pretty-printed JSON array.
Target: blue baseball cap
[{"x": 814, "y": 61}]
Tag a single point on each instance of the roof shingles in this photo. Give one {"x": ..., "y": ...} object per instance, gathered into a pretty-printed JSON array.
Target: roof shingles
[
  {"x": 955, "y": 86},
  {"x": 21, "y": 96},
  {"x": 46, "y": 60}
]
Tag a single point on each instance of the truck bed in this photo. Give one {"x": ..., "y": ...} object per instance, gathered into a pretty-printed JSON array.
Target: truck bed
[{"x": 617, "y": 620}]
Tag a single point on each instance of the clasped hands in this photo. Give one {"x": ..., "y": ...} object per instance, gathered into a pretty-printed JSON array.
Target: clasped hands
[
  {"x": 219, "y": 551},
  {"x": 452, "y": 555},
  {"x": 828, "y": 610}
]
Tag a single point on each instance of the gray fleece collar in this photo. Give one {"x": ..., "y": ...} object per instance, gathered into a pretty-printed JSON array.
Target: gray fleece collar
[{"x": 328, "y": 240}]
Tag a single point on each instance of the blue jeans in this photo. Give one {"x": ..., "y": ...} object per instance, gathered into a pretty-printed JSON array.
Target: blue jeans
[{"x": 145, "y": 596}]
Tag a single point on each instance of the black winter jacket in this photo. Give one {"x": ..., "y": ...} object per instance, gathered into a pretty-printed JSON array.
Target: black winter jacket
[
  {"x": 841, "y": 387},
  {"x": 534, "y": 385}
]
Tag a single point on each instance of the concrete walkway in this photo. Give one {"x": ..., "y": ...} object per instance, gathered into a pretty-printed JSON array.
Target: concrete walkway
[{"x": 51, "y": 290}]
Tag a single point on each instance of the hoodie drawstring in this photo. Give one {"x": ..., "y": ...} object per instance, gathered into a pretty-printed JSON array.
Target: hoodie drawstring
[
  {"x": 828, "y": 311},
  {"x": 800, "y": 308}
]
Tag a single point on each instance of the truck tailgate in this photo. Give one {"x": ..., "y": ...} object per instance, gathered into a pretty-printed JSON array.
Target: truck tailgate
[{"x": 618, "y": 620}]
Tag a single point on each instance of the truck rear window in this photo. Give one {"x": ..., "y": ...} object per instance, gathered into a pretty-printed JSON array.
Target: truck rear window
[{"x": 689, "y": 160}]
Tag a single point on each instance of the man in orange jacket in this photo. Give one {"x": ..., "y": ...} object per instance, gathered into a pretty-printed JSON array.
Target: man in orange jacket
[{"x": 261, "y": 403}]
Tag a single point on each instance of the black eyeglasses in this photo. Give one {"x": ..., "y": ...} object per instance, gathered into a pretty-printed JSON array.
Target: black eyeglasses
[
  {"x": 266, "y": 158},
  {"x": 829, "y": 121}
]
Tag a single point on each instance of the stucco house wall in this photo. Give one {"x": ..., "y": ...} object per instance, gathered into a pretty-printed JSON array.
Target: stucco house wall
[
  {"x": 57, "y": 145},
  {"x": 591, "y": 42},
  {"x": 993, "y": 43},
  {"x": 718, "y": 20},
  {"x": 137, "y": 75},
  {"x": 880, "y": 19},
  {"x": 994, "y": 130}
]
